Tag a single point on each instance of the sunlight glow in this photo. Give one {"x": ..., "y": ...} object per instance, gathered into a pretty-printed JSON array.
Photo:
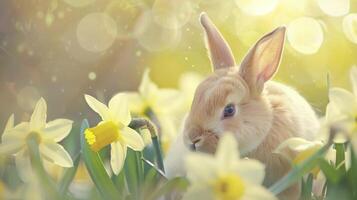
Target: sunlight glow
[
  {"x": 349, "y": 26},
  {"x": 96, "y": 32},
  {"x": 172, "y": 14},
  {"x": 305, "y": 35},
  {"x": 257, "y": 7},
  {"x": 79, "y": 3},
  {"x": 334, "y": 7}
]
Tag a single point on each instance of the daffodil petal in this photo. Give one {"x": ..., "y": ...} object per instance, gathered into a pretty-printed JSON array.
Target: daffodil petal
[
  {"x": 136, "y": 103},
  {"x": 132, "y": 139},
  {"x": 168, "y": 127},
  {"x": 98, "y": 107},
  {"x": 39, "y": 115},
  {"x": 119, "y": 108},
  {"x": 290, "y": 147},
  {"x": 333, "y": 114},
  {"x": 10, "y": 146},
  {"x": 251, "y": 170},
  {"x": 147, "y": 88},
  {"x": 345, "y": 100},
  {"x": 58, "y": 129},
  {"x": 257, "y": 192},
  {"x": 20, "y": 131},
  {"x": 23, "y": 165},
  {"x": 167, "y": 100},
  {"x": 227, "y": 151},
  {"x": 117, "y": 157},
  {"x": 10, "y": 122},
  {"x": 201, "y": 167},
  {"x": 295, "y": 144},
  {"x": 198, "y": 192},
  {"x": 353, "y": 76},
  {"x": 56, "y": 153}
]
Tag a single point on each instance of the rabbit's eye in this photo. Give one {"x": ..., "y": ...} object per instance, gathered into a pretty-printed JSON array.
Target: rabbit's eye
[{"x": 229, "y": 110}]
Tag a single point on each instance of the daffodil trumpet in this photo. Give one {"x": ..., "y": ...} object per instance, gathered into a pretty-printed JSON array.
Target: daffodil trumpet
[
  {"x": 102, "y": 135},
  {"x": 108, "y": 132}
]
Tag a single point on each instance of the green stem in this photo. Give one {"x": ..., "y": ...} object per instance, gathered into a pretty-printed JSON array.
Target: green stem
[
  {"x": 137, "y": 123},
  {"x": 48, "y": 185},
  {"x": 158, "y": 153},
  {"x": 68, "y": 176}
]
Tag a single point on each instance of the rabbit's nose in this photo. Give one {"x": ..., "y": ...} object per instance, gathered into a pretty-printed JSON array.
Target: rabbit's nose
[{"x": 195, "y": 143}]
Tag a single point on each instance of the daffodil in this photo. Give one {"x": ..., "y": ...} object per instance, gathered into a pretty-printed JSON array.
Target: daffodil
[
  {"x": 162, "y": 103},
  {"x": 187, "y": 84},
  {"x": 225, "y": 176},
  {"x": 341, "y": 111},
  {"x": 297, "y": 150},
  {"x": 113, "y": 129},
  {"x": 14, "y": 139}
]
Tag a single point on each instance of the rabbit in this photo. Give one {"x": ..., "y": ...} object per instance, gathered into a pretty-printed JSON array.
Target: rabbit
[{"x": 244, "y": 101}]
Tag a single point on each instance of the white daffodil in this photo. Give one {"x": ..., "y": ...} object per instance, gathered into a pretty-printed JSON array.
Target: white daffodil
[
  {"x": 187, "y": 84},
  {"x": 162, "y": 103},
  {"x": 14, "y": 139},
  {"x": 225, "y": 176},
  {"x": 341, "y": 111},
  {"x": 297, "y": 150},
  {"x": 113, "y": 129}
]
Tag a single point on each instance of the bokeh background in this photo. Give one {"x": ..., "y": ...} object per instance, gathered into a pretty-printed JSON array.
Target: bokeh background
[{"x": 62, "y": 49}]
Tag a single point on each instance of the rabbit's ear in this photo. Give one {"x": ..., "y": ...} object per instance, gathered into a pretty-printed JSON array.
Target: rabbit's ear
[
  {"x": 262, "y": 61},
  {"x": 220, "y": 53}
]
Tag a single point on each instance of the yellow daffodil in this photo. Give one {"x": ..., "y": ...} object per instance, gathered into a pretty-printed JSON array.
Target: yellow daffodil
[
  {"x": 14, "y": 139},
  {"x": 297, "y": 150},
  {"x": 342, "y": 108},
  {"x": 113, "y": 129},
  {"x": 225, "y": 176},
  {"x": 163, "y": 103}
]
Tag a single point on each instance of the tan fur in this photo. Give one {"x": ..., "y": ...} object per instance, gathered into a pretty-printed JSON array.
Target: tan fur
[{"x": 267, "y": 112}]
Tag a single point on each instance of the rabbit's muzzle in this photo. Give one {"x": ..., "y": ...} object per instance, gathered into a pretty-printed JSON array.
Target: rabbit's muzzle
[{"x": 206, "y": 142}]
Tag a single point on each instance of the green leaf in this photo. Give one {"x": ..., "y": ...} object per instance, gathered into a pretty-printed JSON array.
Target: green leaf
[
  {"x": 329, "y": 171},
  {"x": 340, "y": 157},
  {"x": 152, "y": 179},
  {"x": 96, "y": 168},
  {"x": 47, "y": 184},
  {"x": 339, "y": 191},
  {"x": 297, "y": 172},
  {"x": 68, "y": 176},
  {"x": 307, "y": 188},
  {"x": 352, "y": 173},
  {"x": 120, "y": 183},
  {"x": 132, "y": 173},
  {"x": 175, "y": 184},
  {"x": 72, "y": 142}
]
